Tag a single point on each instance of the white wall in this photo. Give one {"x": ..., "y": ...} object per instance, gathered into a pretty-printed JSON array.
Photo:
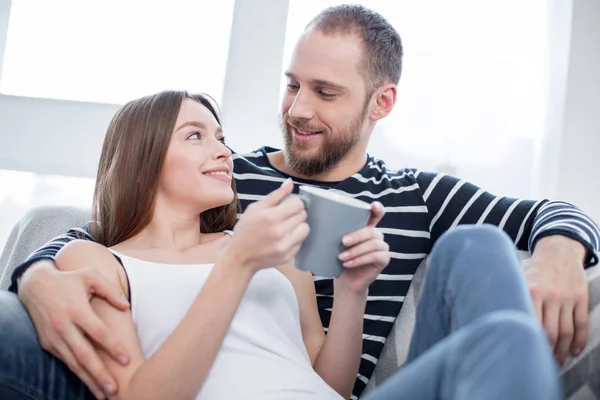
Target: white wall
[
  {"x": 255, "y": 63},
  {"x": 4, "y": 15},
  {"x": 579, "y": 175},
  {"x": 53, "y": 137},
  {"x": 50, "y": 136}
]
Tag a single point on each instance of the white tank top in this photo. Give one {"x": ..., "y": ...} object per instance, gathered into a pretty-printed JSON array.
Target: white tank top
[{"x": 263, "y": 356}]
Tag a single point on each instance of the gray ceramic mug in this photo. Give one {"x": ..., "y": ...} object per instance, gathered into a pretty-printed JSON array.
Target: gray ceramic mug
[{"x": 331, "y": 216}]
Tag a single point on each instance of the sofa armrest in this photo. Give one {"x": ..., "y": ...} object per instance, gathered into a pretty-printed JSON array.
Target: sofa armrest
[{"x": 38, "y": 226}]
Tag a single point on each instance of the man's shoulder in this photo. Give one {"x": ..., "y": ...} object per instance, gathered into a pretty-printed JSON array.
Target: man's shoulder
[
  {"x": 377, "y": 172},
  {"x": 253, "y": 159},
  {"x": 379, "y": 169},
  {"x": 250, "y": 156},
  {"x": 254, "y": 175},
  {"x": 377, "y": 180}
]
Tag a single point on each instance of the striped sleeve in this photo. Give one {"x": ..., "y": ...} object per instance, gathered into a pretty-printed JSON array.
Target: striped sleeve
[
  {"x": 451, "y": 201},
  {"x": 562, "y": 218},
  {"x": 48, "y": 252}
]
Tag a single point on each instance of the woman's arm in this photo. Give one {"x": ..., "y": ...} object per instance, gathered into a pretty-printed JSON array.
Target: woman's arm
[
  {"x": 173, "y": 371},
  {"x": 335, "y": 357}
]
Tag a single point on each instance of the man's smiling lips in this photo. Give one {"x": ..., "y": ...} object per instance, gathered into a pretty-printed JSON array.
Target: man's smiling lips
[{"x": 304, "y": 136}]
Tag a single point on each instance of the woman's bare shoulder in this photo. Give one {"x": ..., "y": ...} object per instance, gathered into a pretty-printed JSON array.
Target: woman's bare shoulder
[
  {"x": 85, "y": 254},
  {"x": 82, "y": 249}
]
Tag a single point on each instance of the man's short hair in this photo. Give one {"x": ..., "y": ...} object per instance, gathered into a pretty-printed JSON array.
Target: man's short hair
[{"x": 382, "y": 46}]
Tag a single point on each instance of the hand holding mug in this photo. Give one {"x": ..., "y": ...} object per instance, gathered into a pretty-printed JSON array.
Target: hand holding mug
[
  {"x": 366, "y": 254},
  {"x": 270, "y": 231},
  {"x": 334, "y": 217}
]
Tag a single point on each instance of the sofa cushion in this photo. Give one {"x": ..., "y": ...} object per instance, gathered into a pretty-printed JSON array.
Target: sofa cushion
[{"x": 395, "y": 350}]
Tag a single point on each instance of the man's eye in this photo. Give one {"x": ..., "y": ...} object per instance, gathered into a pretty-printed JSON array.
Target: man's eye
[
  {"x": 222, "y": 140},
  {"x": 326, "y": 95},
  {"x": 292, "y": 87}
]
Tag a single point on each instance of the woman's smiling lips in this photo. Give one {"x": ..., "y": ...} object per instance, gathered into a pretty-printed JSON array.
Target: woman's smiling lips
[{"x": 220, "y": 173}]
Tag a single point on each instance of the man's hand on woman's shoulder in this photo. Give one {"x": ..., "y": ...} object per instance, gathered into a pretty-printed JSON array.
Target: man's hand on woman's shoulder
[{"x": 59, "y": 305}]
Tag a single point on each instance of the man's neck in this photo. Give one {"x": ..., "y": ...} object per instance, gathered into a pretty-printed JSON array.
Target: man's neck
[{"x": 347, "y": 167}]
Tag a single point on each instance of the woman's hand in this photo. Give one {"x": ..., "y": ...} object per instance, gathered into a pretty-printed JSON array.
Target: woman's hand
[
  {"x": 366, "y": 254},
  {"x": 271, "y": 231}
]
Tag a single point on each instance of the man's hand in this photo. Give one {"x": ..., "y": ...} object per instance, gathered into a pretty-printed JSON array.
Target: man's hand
[
  {"x": 559, "y": 289},
  {"x": 366, "y": 254},
  {"x": 59, "y": 305}
]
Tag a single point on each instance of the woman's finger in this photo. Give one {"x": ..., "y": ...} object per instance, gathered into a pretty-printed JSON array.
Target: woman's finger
[{"x": 363, "y": 248}]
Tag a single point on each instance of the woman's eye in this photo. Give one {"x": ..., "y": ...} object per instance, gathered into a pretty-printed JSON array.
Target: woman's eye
[
  {"x": 222, "y": 140},
  {"x": 194, "y": 136}
]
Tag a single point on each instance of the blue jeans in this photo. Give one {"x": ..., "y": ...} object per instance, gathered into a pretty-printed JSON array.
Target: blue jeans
[
  {"x": 476, "y": 335},
  {"x": 26, "y": 370}
]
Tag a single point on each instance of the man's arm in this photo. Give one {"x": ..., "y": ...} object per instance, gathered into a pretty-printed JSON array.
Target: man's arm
[
  {"x": 47, "y": 252},
  {"x": 59, "y": 305},
  {"x": 451, "y": 201},
  {"x": 562, "y": 238}
]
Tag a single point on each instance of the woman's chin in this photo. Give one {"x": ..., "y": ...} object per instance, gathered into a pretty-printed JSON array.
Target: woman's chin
[{"x": 218, "y": 199}]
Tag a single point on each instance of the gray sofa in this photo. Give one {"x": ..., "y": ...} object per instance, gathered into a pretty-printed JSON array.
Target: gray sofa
[{"x": 581, "y": 376}]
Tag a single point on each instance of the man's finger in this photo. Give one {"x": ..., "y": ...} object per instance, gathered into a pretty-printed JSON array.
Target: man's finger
[
  {"x": 565, "y": 332},
  {"x": 100, "y": 286},
  {"x": 537, "y": 304},
  {"x": 581, "y": 324},
  {"x": 551, "y": 314},
  {"x": 377, "y": 212},
  {"x": 63, "y": 352},
  {"x": 88, "y": 358},
  {"x": 276, "y": 196},
  {"x": 95, "y": 329}
]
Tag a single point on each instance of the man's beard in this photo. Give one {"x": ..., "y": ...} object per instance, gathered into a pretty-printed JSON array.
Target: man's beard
[{"x": 333, "y": 149}]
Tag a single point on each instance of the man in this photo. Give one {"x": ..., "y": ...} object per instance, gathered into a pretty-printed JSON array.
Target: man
[{"x": 342, "y": 79}]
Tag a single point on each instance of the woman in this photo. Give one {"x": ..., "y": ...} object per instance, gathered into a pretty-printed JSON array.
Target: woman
[{"x": 211, "y": 318}]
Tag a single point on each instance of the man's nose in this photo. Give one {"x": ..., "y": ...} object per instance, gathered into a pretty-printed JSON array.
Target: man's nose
[{"x": 302, "y": 107}]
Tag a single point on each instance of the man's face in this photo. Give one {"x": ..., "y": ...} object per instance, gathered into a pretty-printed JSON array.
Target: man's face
[{"x": 324, "y": 107}]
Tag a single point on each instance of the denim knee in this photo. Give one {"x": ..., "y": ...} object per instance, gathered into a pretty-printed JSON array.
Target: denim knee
[
  {"x": 478, "y": 236},
  {"x": 511, "y": 344},
  {"x": 471, "y": 240},
  {"x": 511, "y": 337},
  {"x": 512, "y": 328}
]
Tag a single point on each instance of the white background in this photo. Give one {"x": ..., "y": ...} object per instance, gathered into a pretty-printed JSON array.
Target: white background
[{"x": 503, "y": 93}]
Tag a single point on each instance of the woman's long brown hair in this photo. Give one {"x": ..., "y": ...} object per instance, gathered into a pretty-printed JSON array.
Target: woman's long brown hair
[{"x": 130, "y": 166}]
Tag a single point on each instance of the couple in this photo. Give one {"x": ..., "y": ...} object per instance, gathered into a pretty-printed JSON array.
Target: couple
[{"x": 163, "y": 164}]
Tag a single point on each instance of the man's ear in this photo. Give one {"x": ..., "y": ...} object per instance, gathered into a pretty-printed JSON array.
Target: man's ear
[{"x": 384, "y": 100}]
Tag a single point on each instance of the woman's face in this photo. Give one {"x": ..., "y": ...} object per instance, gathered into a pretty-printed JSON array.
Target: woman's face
[{"x": 197, "y": 171}]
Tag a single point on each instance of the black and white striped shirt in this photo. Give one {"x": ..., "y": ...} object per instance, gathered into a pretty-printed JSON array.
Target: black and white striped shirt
[{"x": 420, "y": 206}]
